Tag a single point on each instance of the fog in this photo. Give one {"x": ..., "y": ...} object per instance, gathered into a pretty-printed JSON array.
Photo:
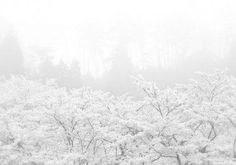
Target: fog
[
  {"x": 118, "y": 82},
  {"x": 104, "y": 43}
]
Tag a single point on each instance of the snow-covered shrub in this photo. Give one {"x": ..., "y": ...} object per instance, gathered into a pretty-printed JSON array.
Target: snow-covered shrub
[{"x": 192, "y": 124}]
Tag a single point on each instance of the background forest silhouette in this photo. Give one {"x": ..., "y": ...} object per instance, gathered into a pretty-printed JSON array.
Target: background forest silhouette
[{"x": 117, "y": 78}]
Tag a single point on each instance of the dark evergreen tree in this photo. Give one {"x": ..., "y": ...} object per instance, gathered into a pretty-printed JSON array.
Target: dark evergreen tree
[
  {"x": 68, "y": 76},
  {"x": 11, "y": 56},
  {"x": 230, "y": 59},
  {"x": 75, "y": 77},
  {"x": 46, "y": 68},
  {"x": 119, "y": 78}
]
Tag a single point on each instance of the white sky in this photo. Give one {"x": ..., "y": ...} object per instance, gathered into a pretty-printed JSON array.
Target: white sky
[{"x": 54, "y": 23}]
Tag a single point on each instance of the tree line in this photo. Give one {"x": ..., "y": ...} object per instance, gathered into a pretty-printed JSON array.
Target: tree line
[{"x": 118, "y": 78}]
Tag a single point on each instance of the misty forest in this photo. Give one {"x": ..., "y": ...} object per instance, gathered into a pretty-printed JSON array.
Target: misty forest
[{"x": 117, "y": 83}]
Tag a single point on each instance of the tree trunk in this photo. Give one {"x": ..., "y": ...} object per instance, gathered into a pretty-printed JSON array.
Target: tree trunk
[
  {"x": 178, "y": 159},
  {"x": 234, "y": 148}
]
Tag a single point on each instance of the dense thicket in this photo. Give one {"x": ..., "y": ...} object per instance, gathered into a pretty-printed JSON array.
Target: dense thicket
[{"x": 192, "y": 124}]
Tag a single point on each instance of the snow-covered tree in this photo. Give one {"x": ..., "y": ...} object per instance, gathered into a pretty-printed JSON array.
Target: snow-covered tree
[{"x": 192, "y": 124}]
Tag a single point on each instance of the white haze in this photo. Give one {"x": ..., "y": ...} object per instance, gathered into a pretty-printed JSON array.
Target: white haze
[{"x": 83, "y": 29}]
